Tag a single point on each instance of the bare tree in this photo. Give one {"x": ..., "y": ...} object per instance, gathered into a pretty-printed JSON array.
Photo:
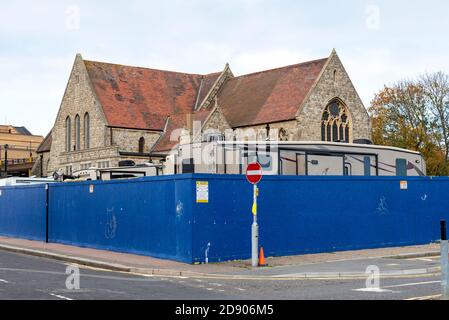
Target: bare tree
[{"x": 436, "y": 90}]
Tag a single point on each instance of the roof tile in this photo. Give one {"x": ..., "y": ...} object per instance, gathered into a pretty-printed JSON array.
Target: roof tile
[
  {"x": 141, "y": 98},
  {"x": 167, "y": 142},
  {"x": 268, "y": 96}
]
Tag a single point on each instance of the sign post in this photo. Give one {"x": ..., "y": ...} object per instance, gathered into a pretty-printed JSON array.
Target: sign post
[
  {"x": 254, "y": 175},
  {"x": 444, "y": 262}
]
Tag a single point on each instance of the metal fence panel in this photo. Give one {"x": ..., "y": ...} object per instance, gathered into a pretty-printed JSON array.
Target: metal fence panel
[{"x": 22, "y": 212}]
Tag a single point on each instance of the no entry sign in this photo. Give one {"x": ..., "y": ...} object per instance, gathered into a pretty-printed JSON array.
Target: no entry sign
[{"x": 254, "y": 173}]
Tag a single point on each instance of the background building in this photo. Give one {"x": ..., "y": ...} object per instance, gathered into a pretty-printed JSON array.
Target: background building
[
  {"x": 20, "y": 146},
  {"x": 111, "y": 113}
]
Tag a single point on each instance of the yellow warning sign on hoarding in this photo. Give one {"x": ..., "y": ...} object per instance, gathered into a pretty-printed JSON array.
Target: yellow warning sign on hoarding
[{"x": 202, "y": 192}]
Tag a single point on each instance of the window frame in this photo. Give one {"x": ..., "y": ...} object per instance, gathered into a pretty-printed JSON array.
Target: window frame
[
  {"x": 336, "y": 127},
  {"x": 68, "y": 134},
  {"x": 141, "y": 145},
  {"x": 86, "y": 130},
  {"x": 77, "y": 133}
]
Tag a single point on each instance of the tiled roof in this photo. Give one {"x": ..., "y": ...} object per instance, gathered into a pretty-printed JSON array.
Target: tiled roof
[
  {"x": 268, "y": 96},
  {"x": 45, "y": 146},
  {"x": 142, "y": 98},
  {"x": 175, "y": 122},
  {"x": 208, "y": 82}
]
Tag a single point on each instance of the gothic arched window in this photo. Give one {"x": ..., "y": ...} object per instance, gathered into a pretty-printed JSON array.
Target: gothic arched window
[
  {"x": 68, "y": 134},
  {"x": 141, "y": 145},
  {"x": 86, "y": 131},
  {"x": 335, "y": 122},
  {"x": 77, "y": 132}
]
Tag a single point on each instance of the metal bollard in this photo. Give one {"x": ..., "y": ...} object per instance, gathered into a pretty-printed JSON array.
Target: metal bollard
[{"x": 444, "y": 262}]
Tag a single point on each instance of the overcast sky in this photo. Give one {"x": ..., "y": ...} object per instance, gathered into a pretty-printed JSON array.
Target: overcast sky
[{"x": 379, "y": 42}]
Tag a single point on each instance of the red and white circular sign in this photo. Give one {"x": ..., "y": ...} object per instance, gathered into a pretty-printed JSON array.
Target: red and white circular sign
[{"x": 254, "y": 173}]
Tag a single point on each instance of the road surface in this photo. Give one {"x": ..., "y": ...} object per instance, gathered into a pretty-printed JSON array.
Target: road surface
[{"x": 29, "y": 277}]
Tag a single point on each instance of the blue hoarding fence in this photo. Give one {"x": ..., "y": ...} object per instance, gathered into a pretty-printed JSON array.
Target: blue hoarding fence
[
  {"x": 170, "y": 217},
  {"x": 22, "y": 212},
  {"x": 300, "y": 215},
  {"x": 144, "y": 216}
]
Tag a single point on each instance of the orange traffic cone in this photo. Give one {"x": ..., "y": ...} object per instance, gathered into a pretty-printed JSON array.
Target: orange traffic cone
[{"x": 262, "y": 262}]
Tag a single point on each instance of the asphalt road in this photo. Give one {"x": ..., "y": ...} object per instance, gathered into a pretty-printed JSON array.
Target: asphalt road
[{"x": 26, "y": 277}]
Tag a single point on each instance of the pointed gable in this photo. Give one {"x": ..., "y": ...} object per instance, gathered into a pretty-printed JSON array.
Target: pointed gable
[
  {"x": 268, "y": 96},
  {"x": 212, "y": 87},
  {"x": 208, "y": 82}
]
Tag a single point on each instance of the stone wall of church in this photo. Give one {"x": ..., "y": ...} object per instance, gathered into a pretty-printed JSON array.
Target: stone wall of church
[
  {"x": 128, "y": 139},
  {"x": 216, "y": 124},
  {"x": 90, "y": 157},
  {"x": 334, "y": 83},
  {"x": 79, "y": 99},
  {"x": 36, "y": 171},
  {"x": 259, "y": 131}
]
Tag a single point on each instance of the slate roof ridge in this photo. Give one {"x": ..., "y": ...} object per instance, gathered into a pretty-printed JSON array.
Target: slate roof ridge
[{"x": 22, "y": 130}]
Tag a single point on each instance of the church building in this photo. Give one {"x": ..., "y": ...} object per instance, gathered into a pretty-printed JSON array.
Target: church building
[{"x": 111, "y": 113}]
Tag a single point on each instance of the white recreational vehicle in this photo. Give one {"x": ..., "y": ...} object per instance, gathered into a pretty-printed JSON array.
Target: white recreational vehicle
[
  {"x": 20, "y": 181},
  {"x": 276, "y": 158},
  {"x": 123, "y": 172},
  {"x": 296, "y": 158}
]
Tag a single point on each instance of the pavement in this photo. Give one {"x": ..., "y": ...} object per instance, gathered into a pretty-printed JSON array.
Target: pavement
[
  {"x": 32, "y": 270},
  {"x": 390, "y": 261}
]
